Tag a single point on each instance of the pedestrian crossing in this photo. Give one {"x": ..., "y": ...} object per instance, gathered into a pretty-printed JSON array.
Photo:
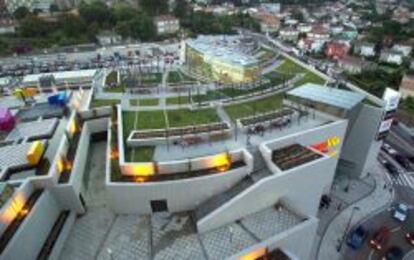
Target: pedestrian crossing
[{"x": 402, "y": 179}]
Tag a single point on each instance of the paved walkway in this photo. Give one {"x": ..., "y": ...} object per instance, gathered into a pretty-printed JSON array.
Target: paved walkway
[{"x": 375, "y": 201}]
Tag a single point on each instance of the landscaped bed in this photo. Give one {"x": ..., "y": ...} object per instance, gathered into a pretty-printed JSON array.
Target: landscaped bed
[
  {"x": 256, "y": 106},
  {"x": 186, "y": 117},
  {"x": 104, "y": 102},
  {"x": 139, "y": 154},
  {"x": 144, "y": 102}
]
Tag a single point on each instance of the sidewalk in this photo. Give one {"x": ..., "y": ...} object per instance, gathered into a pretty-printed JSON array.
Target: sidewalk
[{"x": 372, "y": 203}]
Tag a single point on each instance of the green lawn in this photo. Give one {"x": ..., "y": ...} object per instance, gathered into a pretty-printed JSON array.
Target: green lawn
[
  {"x": 186, "y": 117},
  {"x": 144, "y": 102},
  {"x": 111, "y": 78},
  {"x": 104, "y": 102},
  {"x": 128, "y": 121},
  {"x": 174, "y": 77},
  {"x": 151, "y": 119},
  {"x": 309, "y": 77},
  {"x": 265, "y": 54},
  {"x": 117, "y": 89},
  {"x": 257, "y": 106},
  {"x": 177, "y": 100},
  {"x": 151, "y": 78},
  {"x": 290, "y": 68},
  {"x": 139, "y": 154}
]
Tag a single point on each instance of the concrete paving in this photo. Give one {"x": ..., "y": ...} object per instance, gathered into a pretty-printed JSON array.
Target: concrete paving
[{"x": 375, "y": 201}]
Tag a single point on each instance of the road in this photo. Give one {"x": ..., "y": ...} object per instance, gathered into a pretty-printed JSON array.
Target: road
[{"x": 398, "y": 230}]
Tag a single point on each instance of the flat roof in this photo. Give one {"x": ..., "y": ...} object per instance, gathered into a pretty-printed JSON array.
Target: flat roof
[
  {"x": 331, "y": 96},
  {"x": 61, "y": 75},
  {"x": 222, "y": 48}
]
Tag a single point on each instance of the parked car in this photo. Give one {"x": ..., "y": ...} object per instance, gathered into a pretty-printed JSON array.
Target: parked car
[
  {"x": 393, "y": 253},
  {"x": 410, "y": 237},
  {"x": 391, "y": 168},
  {"x": 357, "y": 237},
  {"x": 400, "y": 212},
  {"x": 402, "y": 160},
  {"x": 388, "y": 149},
  {"x": 380, "y": 238}
]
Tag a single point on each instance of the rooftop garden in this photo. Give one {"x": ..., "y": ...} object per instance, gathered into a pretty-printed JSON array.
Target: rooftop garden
[
  {"x": 290, "y": 68},
  {"x": 177, "y": 77},
  {"x": 104, "y": 102},
  {"x": 186, "y": 117},
  {"x": 257, "y": 106},
  {"x": 139, "y": 154},
  {"x": 144, "y": 102},
  {"x": 292, "y": 156}
]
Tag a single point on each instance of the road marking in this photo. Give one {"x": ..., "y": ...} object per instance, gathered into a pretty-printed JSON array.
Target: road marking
[
  {"x": 396, "y": 229},
  {"x": 370, "y": 254}
]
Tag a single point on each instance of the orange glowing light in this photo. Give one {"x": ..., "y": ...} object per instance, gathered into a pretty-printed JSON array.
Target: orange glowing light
[
  {"x": 139, "y": 169},
  {"x": 221, "y": 162},
  {"x": 73, "y": 128},
  {"x": 114, "y": 154},
  {"x": 255, "y": 254},
  {"x": 13, "y": 209}
]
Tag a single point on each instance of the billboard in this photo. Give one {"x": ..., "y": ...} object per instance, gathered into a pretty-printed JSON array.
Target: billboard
[{"x": 391, "y": 100}]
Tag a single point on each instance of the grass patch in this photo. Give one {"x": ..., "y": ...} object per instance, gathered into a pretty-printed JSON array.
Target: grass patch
[
  {"x": 128, "y": 121},
  {"x": 111, "y": 78},
  {"x": 104, "y": 102},
  {"x": 151, "y": 119},
  {"x": 150, "y": 78},
  {"x": 310, "y": 77},
  {"x": 144, "y": 102},
  {"x": 174, "y": 77},
  {"x": 139, "y": 154},
  {"x": 257, "y": 106},
  {"x": 177, "y": 100},
  {"x": 117, "y": 89},
  {"x": 186, "y": 117}
]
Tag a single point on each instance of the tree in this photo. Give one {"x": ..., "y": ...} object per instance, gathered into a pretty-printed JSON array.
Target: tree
[
  {"x": 181, "y": 9},
  {"x": 154, "y": 7},
  {"x": 72, "y": 26},
  {"x": 32, "y": 26},
  {"x": 53, "y": 8},
  {"x": 96, "y": 12},
  {"x": 21, "y": 12},
  {"x": 123, "y": 12}
]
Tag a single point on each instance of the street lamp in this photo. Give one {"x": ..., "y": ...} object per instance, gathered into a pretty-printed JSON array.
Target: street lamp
[{"x": 339, "y": 247}]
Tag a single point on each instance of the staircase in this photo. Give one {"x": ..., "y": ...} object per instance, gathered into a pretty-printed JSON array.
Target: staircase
[{"x": 260, "y": 171}]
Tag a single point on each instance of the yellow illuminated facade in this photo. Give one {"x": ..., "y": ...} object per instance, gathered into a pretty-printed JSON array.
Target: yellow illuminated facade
[
  {"x": 219, "y": 68},
  {"x": 139, "y": 169}
]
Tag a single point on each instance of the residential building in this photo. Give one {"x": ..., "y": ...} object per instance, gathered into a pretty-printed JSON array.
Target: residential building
[
  {"x": 31, "y": 5},
  {"x": 336, "y": 50},
  {"x": 289, "y": 34},
  {"x": 405, "y": 50},
  {"x": 354, "y": 65},
  {"x": 310, "y": 46},
  {"x": 166, "y": 24},
  {"x": 407, "y": 86},
  {"x": 392, "y": 57},
  {"x": 269, "y": 24},
  {"x": 271, "y": 8},
  {"x": 108, "y": 38},
  {"x": 319, "y": 33},
  {"x": 304, "y": 27},
  {"x": 365, "y": 49}
]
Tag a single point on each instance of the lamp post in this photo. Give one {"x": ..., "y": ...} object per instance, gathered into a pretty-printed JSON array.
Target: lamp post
[{"x": 339, "y": 247}]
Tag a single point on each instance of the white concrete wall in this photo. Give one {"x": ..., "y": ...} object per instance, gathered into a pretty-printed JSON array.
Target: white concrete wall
[
  {"x": 32, "y": 233},
  {"x": 297, "y": 241},
  {"x": 16, "y": 202},
  {"x": 361, "y": 147},
  {"x": 181, "y": 195},
  {"x": 64, "y": 233},
  {"x": 311, "y": 179}
]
